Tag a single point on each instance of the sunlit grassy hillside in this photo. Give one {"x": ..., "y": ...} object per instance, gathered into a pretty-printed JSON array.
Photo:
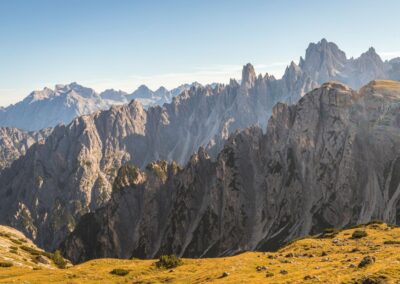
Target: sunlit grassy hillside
[{"x": 367, "y": 254}]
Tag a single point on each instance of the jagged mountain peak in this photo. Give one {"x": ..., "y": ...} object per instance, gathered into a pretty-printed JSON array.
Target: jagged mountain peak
[
  {"x": 36, "y": 96},
  {"x": 371, "y": 55},
  {"x": 323, "y": 61},
  {"x": 77, "y": 88},
  {"x": 293, "y": 68},
  {"x": 142, "y": 92},
  {"x": 161, "y": 90},
  {"x": 143, "y": 88},
  {"x": 248, "y": 75},
  {"x": 325, "y": 46}
]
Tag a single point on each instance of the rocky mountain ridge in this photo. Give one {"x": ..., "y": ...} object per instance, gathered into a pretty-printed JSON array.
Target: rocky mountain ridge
[
  {"x": 329, "y": 161},
  {"x": 323, "y": 61},
  {"x": 49, "y": 107}
]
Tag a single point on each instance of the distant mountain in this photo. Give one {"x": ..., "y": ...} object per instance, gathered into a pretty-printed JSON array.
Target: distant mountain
[
  {"x": 330, "y": 161},
  {"x": 47, "y": 108},
  {"x": 324, "y": 61}
]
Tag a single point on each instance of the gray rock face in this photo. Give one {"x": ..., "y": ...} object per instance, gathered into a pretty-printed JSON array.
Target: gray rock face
[
  {"x": 324, "y": 61},
  {"x": 331, "y": 160},
  {"x": 46, "y": 191},
  {"x": 15, "y": 142}
]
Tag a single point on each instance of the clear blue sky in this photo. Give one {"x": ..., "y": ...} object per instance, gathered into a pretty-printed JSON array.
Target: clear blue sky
[{"x": 120, "y": 44}]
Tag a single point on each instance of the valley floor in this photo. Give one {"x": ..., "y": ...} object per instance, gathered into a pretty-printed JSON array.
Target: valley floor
[{"x": 333, "y": 257}]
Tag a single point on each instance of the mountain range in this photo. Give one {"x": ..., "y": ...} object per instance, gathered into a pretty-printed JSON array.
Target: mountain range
[
  {"x": 242, "y": 190},
  {"x": 323, "y": 61},
  {"x": 49, "y": 107},
  {"x": 329, "y": 161}
]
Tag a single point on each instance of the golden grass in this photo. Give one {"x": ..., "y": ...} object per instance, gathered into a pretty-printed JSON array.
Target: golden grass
[
  {"x": 387, "y": 84},
  {"x": 323, "y": 260}
]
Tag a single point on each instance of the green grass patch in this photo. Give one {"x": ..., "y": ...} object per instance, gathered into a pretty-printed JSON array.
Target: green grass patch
[
  {"x": 119, "y": 271},
  {"x": 59, "y": 260},
  {"x": 17, "y": 242},
  {"x": 5, "y": 264},
  {"x": 56, "y": 257},
  {"x": 358, "y": 234},
  {"x": 168, "y": 261},
  {"x": 391, "y": 242}
]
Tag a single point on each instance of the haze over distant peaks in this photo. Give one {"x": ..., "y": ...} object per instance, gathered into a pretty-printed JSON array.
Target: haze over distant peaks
[{"x": 49, "y": 107}]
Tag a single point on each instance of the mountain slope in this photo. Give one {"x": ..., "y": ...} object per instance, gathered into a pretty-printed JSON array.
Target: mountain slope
[
  {"x": 72, "y": 172},
  {"x": 15, "y": 142},
  {"x": 332, "y": 257},
  {"x": 18, "y": 251},
  {"x": 328, "y": 161}
]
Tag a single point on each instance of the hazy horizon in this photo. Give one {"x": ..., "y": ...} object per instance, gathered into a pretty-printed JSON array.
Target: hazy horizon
[{"x": 168, "y": 43}]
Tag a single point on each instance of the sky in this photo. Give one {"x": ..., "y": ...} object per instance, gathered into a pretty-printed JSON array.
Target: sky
[{"x": 122, "y": 44}]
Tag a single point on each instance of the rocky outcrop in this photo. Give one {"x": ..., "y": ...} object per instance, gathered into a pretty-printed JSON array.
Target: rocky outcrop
[
  {"x": 331, "y": 160},
  {"x": 15, "y": 142}
]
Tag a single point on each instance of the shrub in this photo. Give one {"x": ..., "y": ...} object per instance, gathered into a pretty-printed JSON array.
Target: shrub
[
  {"x": 13, "y": 247},
  {"x": 16, "y": 241},
  {"x": 31, "y": 250},
  {"x": 372, "y": 279},
  {"x": 35, "y": 252},
  {"x": 391, "y": 242},
  {"x": 5, "y": 264},
  {"x": 329, "y": 233},
  {"x": 358, "y": 234},
  {"x": 269, "y": 274},
  {"x": 119, "y": 271},
  {"x": 59, "y": 260},
  {"x": 127, "y": 176},
  {"x": 366, "y": 261},
  {"x": 13, "y": 251},
  {"x": 4, "y": 234},
  {"x": 168, "y": 261}
]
